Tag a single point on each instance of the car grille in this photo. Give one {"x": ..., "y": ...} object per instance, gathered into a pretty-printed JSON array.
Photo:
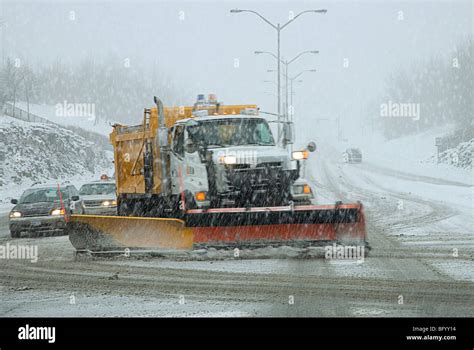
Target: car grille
[
  {"x": 36, "y": 212},
  {"x": 95, "y": 203}
]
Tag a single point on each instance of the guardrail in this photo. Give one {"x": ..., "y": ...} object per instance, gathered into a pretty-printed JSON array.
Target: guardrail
[
  {"x": 21, "y": 114},
  {"x": 18, "y": 113}
]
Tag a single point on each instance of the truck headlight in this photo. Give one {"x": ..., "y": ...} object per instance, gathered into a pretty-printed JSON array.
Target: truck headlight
[
  {"x": 15, "y": 214},
  {"x": 299, "y": 155},
  {"x": 306, "y": 189},
  {"x": 56, "y": 212},
  {"x": 228, "y": 159},
  {"x": 200, "y": 196},
  {"x": 301, "y": 189},
  {"x": 109, "y": 203}
]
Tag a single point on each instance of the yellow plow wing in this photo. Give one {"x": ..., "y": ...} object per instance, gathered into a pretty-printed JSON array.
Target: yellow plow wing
[{"x": 91, "y": 232}]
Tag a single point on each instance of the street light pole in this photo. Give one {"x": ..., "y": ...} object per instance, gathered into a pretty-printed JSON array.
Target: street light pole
[
  {"x": 287, "y": 110},
  {"x": 287, "y": 64},
  {"x": 291, "y": 91},
  {"x": 278, "y": 28},
  {"x": 2, "y": 27}
]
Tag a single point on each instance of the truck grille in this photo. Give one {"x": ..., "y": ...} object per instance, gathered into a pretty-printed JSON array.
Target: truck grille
[{"x": 261, "y": 177}]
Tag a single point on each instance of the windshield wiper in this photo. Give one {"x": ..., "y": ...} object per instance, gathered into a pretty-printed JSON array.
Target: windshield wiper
[{"x": 256, "y": 143}]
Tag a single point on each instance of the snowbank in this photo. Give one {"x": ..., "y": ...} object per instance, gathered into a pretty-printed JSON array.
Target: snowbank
[{"x": 35, "y": 152}]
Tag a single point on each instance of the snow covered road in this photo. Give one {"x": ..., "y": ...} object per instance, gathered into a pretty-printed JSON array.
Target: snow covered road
[{"x": 422, "y": 264}]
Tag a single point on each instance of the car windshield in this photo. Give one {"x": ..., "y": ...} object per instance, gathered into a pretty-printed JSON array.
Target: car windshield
[
  {"x": 232, "y": 132},
  {"x": 42, "y": 195},
  {"x": 97, "y": 189}
]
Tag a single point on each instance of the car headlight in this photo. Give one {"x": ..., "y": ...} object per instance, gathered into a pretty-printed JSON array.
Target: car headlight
[
  {"x": 15, "y": 214},
  {"x": 299, "y": 155},
  {"x": 109, "y": 203},
  {"x": 228, "y": 159},
  {"x": 55, "y": 212}
]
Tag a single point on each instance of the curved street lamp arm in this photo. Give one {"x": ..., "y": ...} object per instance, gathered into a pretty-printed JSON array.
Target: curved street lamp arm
[
  {"x": 299, "y": 14},
  {"x": 301, "y": 54},
  {"x": 259, "y": 15}
]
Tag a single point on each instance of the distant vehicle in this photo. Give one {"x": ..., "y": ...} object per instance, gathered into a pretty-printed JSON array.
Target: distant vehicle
[
  {"x": 352, "y": 155},
  {"x": 41, "y": 209},
  {"x": 301, "y": 192},
  {"x": 98, "y": 197}
]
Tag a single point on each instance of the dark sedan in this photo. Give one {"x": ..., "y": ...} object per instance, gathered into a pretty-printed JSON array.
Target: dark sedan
[{"x": 43, "y": 210}]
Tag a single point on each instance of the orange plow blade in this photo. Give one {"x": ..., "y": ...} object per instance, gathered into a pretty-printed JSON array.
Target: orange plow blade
[{"x": 300, "y": 226}]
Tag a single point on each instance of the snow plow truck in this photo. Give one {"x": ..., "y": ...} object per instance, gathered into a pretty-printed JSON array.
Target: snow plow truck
[{"x": 210, "y": 175}]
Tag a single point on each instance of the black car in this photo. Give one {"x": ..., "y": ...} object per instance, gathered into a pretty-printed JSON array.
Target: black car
[
  {"x": 42, "y": 209},
  {"x": 352, "y": 155}
]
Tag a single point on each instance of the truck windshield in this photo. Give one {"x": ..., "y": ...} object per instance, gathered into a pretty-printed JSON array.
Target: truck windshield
[
  {"x": 42, "y": 195},
  {"x": 232, "y": 132}
]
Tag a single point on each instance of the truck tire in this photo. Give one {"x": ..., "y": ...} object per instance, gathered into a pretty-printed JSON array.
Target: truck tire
[
  {"x": 190, "y": 201},
  {"x": 124, "y": 207}
]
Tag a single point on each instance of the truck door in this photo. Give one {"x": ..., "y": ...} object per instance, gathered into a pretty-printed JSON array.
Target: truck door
[{"x": 177, "y": 158}]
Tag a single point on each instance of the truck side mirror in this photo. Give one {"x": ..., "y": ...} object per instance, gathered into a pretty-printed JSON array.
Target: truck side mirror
[
  {"x": 14, "y": 201},
  {"x": 190, "y": 146},
  {"x": 288, "y": 133},
  {"x": 75, "y": 198},
  {"x": 311, "y": 146}
]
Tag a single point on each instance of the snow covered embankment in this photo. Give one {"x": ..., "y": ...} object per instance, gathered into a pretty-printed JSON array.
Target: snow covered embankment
[
  {"x": 34, "y": 152},
  {"x": 460, "y": 156},
  {"x": 416, "y": 154}
]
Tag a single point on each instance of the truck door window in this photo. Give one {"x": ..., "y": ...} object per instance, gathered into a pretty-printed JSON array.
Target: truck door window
[
  {"x": 263, "y": 134},
  {"x": 178, "y": 140}
]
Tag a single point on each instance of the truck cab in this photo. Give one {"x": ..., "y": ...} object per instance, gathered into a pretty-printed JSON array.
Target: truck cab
[
  {"x": 230, "y": 161},
  {"x": 208, "y": 155}
]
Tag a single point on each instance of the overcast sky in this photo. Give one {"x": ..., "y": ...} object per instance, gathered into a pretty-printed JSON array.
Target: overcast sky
[{"x": 198, "y": 42}]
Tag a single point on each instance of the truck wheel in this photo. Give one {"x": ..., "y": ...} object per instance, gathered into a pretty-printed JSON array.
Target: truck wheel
[
  {"x": 125, "y": 208},
  {"x": 190, "y": 201}
]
